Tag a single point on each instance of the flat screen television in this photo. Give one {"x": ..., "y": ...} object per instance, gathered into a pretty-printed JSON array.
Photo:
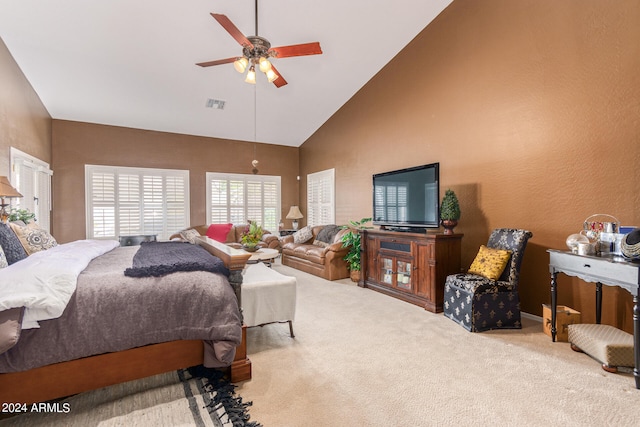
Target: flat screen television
[{"x": 407, "y": 199}]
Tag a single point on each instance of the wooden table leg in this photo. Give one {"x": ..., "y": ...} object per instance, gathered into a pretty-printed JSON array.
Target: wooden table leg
[
  {"x": 636, "y": 338},
  {"x": 598, "y": 302},
  {"x": 554, "y": 304}
]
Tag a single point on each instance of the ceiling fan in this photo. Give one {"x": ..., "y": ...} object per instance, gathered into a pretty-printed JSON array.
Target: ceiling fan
[{"x": 257, "y": 50}]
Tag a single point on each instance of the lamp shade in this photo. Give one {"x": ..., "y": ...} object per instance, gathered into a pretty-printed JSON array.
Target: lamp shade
[
  {"x": 6, "y": 190},
  {"x": 294, "y": 213}
]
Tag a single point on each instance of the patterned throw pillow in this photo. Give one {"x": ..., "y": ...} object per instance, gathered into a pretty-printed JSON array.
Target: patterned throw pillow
[
  {"x": 3, "y": 259},
  {"x": 11, "y": 244},
  {"x": 490, "y": 263},
  {"x": 189, "y": 235},
  {"x": 33, "y": 238},
  {"x": 302, "y": 235}
]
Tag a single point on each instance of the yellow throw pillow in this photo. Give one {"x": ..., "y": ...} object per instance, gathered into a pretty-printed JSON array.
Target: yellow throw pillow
[{"x": 489, "y": 262}]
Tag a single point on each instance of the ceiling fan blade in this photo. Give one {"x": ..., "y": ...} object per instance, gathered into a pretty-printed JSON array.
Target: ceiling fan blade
[
  {"x": 280, "y": 81},
  {"x": 216, "y": 62},
  {"x": 232, "y": 29},
  {"x": 297, "y": 50}
]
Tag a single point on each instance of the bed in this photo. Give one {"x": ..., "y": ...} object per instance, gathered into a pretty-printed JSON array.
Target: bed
[{"x": 136, "y": 336}]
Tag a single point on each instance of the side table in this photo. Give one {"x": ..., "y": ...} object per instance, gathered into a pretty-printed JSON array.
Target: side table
[
  {"x": 609, "y": 270},
  {"x": 287, "y": 232}
]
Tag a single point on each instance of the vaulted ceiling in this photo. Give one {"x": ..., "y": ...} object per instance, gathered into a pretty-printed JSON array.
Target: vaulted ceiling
[{"x": 132, "y": 63}]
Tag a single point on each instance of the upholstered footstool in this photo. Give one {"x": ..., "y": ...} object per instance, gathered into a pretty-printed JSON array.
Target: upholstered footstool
[
  {"x": 610, "y": 346},
  {"x": 268, "y": 297}
]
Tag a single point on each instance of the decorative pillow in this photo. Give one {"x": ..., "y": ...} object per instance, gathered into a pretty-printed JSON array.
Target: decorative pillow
[
  {"x": 490, "y": 263},
  {"x": 328, "y": 233},
  {"x": 219, "y": 232},
  {"x": 11, "y": 245},
  {"x": 302, "y": 235},
  {"x": 3, "y": 259},
  {"x": 33, "y": 238},
  {"x": 189, "y": 235}
]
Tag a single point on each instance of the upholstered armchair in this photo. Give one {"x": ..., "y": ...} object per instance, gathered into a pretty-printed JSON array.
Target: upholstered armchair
[{"x": 480, "y": 300}]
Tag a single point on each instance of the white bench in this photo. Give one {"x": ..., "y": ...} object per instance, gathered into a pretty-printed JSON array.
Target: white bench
[{"x": 268, "y": 297}]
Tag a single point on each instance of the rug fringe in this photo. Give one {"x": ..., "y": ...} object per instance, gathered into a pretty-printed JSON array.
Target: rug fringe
[{"x": 223, "y": 396}]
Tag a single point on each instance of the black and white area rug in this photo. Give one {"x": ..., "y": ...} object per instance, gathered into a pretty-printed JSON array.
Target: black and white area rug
[{"x": 188, "y": 397}]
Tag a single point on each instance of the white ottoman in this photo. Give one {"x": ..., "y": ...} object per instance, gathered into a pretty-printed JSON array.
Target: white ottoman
[{"x": 268, "y": 296}]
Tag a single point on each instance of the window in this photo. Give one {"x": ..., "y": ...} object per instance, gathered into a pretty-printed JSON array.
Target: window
[
  {"x": 32, "y": 178},
  {"x": 321, "y": 198},
  {"x": 124, "y": 201},
  {"x": 238, "y": 198}
]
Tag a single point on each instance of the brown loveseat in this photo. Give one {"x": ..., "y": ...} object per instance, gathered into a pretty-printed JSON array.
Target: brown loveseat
[
  {"x": 234, "y": 236},
  {"x": 327, "y": 262}
]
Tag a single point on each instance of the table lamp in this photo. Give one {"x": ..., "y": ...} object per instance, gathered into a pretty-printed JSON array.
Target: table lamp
[
  {"x": 6, "y": 191},
  {"x": 295, "y": 215}
]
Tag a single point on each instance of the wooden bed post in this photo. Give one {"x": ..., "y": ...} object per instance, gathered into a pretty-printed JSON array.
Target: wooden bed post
[{"x": 235, "y": 260}]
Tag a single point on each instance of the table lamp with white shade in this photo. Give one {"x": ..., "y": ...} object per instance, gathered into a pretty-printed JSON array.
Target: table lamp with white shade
[{"x": 295, "y": 215}]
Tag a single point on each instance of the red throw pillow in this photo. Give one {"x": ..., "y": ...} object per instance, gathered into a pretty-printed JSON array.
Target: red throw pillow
[{"x": 219, "y": 232}]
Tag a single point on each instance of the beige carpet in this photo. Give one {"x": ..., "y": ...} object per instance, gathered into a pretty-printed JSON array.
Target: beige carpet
[{"x": 361, "y": 358}]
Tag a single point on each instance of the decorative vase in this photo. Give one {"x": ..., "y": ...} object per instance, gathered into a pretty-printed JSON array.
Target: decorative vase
[
  {"x": 449, "y": 225},
  {"x": 250, "y": 248}
]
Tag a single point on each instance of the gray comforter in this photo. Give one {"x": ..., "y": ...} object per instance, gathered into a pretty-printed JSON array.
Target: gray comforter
[{"x": 111, "y": 312}]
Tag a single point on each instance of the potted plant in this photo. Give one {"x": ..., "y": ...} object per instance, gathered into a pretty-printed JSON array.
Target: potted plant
[
  {"x": 352, "y": 239},
  {"x": 449, "y": 211},
  {"x": 23, "y": 215},
  {"x": 251, "y": 236}
]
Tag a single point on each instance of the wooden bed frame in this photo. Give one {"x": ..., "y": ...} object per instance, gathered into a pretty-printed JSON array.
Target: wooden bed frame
[{"x": 89, "y": 373}]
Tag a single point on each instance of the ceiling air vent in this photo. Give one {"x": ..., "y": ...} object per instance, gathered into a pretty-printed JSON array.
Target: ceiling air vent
[{"x": 216, "y": 104}]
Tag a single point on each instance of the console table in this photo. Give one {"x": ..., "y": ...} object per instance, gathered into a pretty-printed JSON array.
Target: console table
[{"x": 608, "y": 270}]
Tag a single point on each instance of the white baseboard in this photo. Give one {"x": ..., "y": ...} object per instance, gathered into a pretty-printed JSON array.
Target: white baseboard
[{"x": 531, "y": 316}]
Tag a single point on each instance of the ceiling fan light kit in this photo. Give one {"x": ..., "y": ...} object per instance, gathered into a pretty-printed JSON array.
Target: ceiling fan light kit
[{"x": 257, "y": 50}]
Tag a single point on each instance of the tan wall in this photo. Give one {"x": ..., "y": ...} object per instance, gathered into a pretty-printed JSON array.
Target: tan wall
[
  {"x": 532, "y": 109},
  {"x": 76, "y": 144},
  {"x": 24, "y": 122}
]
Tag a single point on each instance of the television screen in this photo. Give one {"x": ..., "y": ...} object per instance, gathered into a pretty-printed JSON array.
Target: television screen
[{"x": 407, "y": 197}]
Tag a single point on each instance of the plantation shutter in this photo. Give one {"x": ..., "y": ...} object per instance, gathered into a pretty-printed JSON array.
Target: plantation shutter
[
  {"x": 238, "y": 198},
  {"x": 321, "y": 198},
  {"x": 32, "y": 178},
  {"x": 125, "y": 201}
]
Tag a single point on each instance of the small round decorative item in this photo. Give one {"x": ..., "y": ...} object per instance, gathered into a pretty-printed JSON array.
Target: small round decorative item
[
  {"x": 574, "y": 240},
  {"x": 630, "y": 246},
  {"x": 250, "y": 248}
]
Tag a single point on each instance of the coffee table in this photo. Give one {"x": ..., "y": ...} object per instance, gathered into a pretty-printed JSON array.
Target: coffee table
[{"x": 264, "y": 255}]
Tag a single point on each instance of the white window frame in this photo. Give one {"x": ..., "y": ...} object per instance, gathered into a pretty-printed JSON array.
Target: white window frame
[
  {"x": 321, "y": 197},
  {"x": 242, "y": 210},
  {"x": 37, "y": 194},
  {"x": 166, "y": 229}
]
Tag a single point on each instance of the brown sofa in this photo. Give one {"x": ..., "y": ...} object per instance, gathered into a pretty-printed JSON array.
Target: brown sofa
[
  {"x": 326, "y": 262},
  {"x": 234, "y": 236}
]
